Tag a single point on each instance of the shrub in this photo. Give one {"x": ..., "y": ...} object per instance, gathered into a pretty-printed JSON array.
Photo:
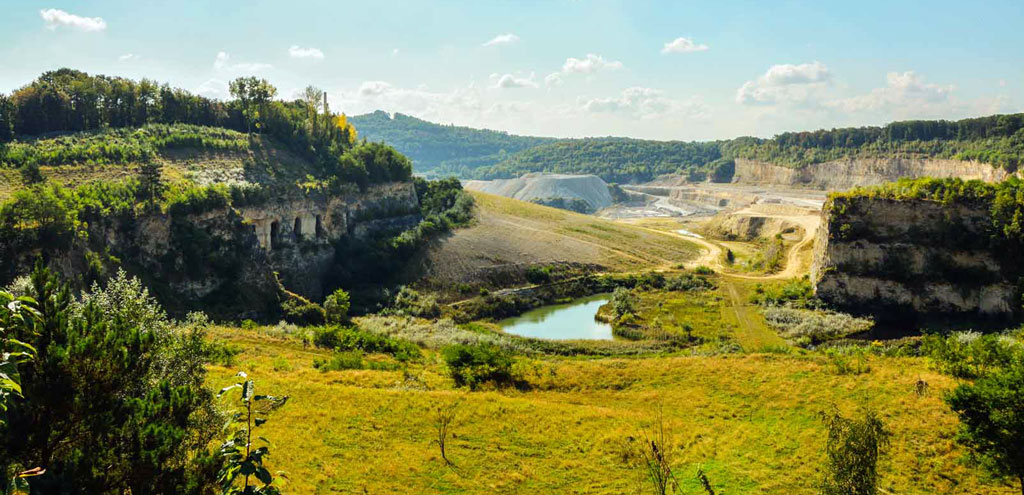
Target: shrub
[
  {"x": 809, "y": 327},
  {"x": 354, "y": 339},
  {"x": 688, "y": 282},
  {"x": 336, "y": 306},
  {"x": 475, "y": 365},
  {"x": 301, "y": 311},
  {"x": 347, "y": 360},
  {"x": 703, "y": 270},
  {"x": 852, "y": 454},
  {"x": 623, "y": 302}
]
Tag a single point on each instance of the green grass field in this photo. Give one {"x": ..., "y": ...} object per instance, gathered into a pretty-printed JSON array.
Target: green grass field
[{"x": 751, "y": 420}]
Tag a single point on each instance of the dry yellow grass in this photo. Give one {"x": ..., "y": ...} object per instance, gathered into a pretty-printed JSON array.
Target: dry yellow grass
[
  {"x": 510, "y": 232},
  {"x": 750, "y": 420}
]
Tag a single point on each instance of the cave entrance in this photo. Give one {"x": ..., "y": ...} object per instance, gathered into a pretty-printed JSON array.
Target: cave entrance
[
  {"x": 320, "y": 227},
  {"x": 297, "y": 230},
  {"x": 275, "y": 230}
]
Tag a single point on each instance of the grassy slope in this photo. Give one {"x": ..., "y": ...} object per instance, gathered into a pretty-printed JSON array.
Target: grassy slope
[
  {"x": 750, "y": 420},
  {"x": 507, "y": 232},
  {"x": 262, "y": 161}
]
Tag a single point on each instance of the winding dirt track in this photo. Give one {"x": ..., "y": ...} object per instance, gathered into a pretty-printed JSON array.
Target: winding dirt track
[{"x": 712, "y": 258}]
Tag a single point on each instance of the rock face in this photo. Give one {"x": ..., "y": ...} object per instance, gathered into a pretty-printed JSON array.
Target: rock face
[
  {"x": 233, "y": 262},
  {"x": 538, "y": 187},
  {"x": 840, "y": 175},
  {"x": 916, "y": 258}
]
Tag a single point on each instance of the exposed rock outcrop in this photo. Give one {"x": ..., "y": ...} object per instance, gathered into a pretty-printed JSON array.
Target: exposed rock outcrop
[
  {"x": 911, "y": 258},
  {"x": 844, "y": 174}
]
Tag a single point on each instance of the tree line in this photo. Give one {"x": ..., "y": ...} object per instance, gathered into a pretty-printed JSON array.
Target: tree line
[{"x": 70, "y": 101}]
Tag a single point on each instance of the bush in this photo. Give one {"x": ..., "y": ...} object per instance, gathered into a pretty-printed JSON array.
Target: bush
[
  {"x": 354, "y": 339},
  {"x": 301, "y": 311},
  {"x": 809, "y": 327},
  {"x": 347, "y": 360},
  {"x": 336, "y": 306},
  {"x": 703, "y": 270},
  {"x": 475, "y": 365},
  {"x": 852, "y": 454},
  {"x": 623, "y": 302}
]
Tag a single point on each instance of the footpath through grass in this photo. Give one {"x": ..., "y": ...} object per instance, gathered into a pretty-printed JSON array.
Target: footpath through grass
[{"x": 751, "y": 421}]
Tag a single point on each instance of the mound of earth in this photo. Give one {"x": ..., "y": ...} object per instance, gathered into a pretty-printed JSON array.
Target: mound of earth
[
  {"x": 750, "y": 227},
  {"x": 547, "y": 188}
]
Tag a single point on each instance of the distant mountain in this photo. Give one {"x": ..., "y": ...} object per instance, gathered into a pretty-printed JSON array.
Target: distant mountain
[
  {"x": 440, "y": 150},
  {"x": 448, "y": 148}
]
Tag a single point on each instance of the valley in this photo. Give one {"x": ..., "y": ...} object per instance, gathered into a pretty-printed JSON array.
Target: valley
[{"x": 548, "y": 321}]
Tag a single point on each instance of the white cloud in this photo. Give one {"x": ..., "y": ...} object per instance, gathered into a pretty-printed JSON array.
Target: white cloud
[
  {"x": 906, "y": 92},
  {"x": 589, "y": 65},
  {"x": 213, "y": 88},
  {"x": 553, "y": 79},
  {"x": 785, "y": 83},
  {"x": 508, "y": 81},
  {"x": 394, "y": 52},
  {"x": 646, "y": 103},
  {"x": 502, "y": 39},
  {"x": 128, "y": 56},
  {"x": 683, "y": 45},
  {"x": 223, "y": 63},
  {"x": 57, "y": 17},
  {"x": 371, "y": 88},
  {"x": 295, "y": 51}
]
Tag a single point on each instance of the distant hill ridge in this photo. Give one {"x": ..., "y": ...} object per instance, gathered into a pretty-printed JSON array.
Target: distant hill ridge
[{"x": 437, "y": 149}]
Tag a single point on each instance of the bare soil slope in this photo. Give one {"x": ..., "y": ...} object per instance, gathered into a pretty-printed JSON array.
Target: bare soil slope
[{"x": 510, "y": 234}]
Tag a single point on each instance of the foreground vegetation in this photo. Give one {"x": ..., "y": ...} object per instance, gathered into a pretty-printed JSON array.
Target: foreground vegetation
[{"x": 749, "y": 421}]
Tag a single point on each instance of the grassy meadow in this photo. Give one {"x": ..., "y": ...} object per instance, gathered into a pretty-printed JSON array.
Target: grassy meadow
[{"x": 750, "y": 420}]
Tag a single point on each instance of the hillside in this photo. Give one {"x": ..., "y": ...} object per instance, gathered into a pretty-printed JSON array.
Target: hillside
[
  {"x": 508, "y": 236},
  {"x": 235, "y": 208},
  {"x": 996, "y": 142},
  {"x": 442, "y": 149}
]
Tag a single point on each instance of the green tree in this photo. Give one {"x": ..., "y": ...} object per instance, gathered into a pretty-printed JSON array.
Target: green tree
[
  {"x": 254, "y": 95},
  {"x": 336, "y": 306},
  {"x": 6, "y": 119},
  {"x": 991, "y": 412},
  {"x": 151, "y": 183},
  {"x": 114, "y": 400},
  {"x": 852, "y": 451}
]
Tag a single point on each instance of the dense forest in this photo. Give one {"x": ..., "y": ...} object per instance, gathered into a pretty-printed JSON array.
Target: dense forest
[
  {"x": 468, "y": 153},
  {"x": 448, "y": 148},
  {"x": 613, "y": 159}
]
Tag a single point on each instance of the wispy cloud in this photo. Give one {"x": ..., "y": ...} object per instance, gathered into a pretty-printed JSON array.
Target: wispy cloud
[
  {"x": 223, "y": 63},
  {"x": 128, "y": 56},
  {"x": 589, "y": 64},
  {"x": 502, "y": 39},
  {"x": 56, "y": 17},
  {"x": 683, "y": 45},
  {"x": 509, "y": 81},
  {"x": 296, "y": 51}
]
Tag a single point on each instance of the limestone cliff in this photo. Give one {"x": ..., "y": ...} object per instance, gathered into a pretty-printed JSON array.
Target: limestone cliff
[
  {"x": 844, "y": 174},
  {"x": 919, "y": 258},
  {"x": 235, "y": 261}
]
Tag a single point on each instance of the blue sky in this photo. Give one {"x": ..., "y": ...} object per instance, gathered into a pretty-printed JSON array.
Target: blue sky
[{"x": 664, "y": 70}]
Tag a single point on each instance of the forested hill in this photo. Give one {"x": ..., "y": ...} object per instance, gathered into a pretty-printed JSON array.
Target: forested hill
[
  {"x": 441, "y": 150},
  {"x": 621, "y": 160},
  {"x": 456, "y": 150}
]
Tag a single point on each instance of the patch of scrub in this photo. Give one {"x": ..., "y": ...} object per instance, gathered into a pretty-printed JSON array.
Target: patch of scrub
[{"x": 572, "y": 321}]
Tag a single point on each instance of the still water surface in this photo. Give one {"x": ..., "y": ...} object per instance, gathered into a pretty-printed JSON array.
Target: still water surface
[{"x": 570, "y": 321}]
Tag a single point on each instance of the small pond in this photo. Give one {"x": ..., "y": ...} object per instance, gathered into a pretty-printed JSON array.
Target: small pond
[{"x": 570, "y": 321}]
